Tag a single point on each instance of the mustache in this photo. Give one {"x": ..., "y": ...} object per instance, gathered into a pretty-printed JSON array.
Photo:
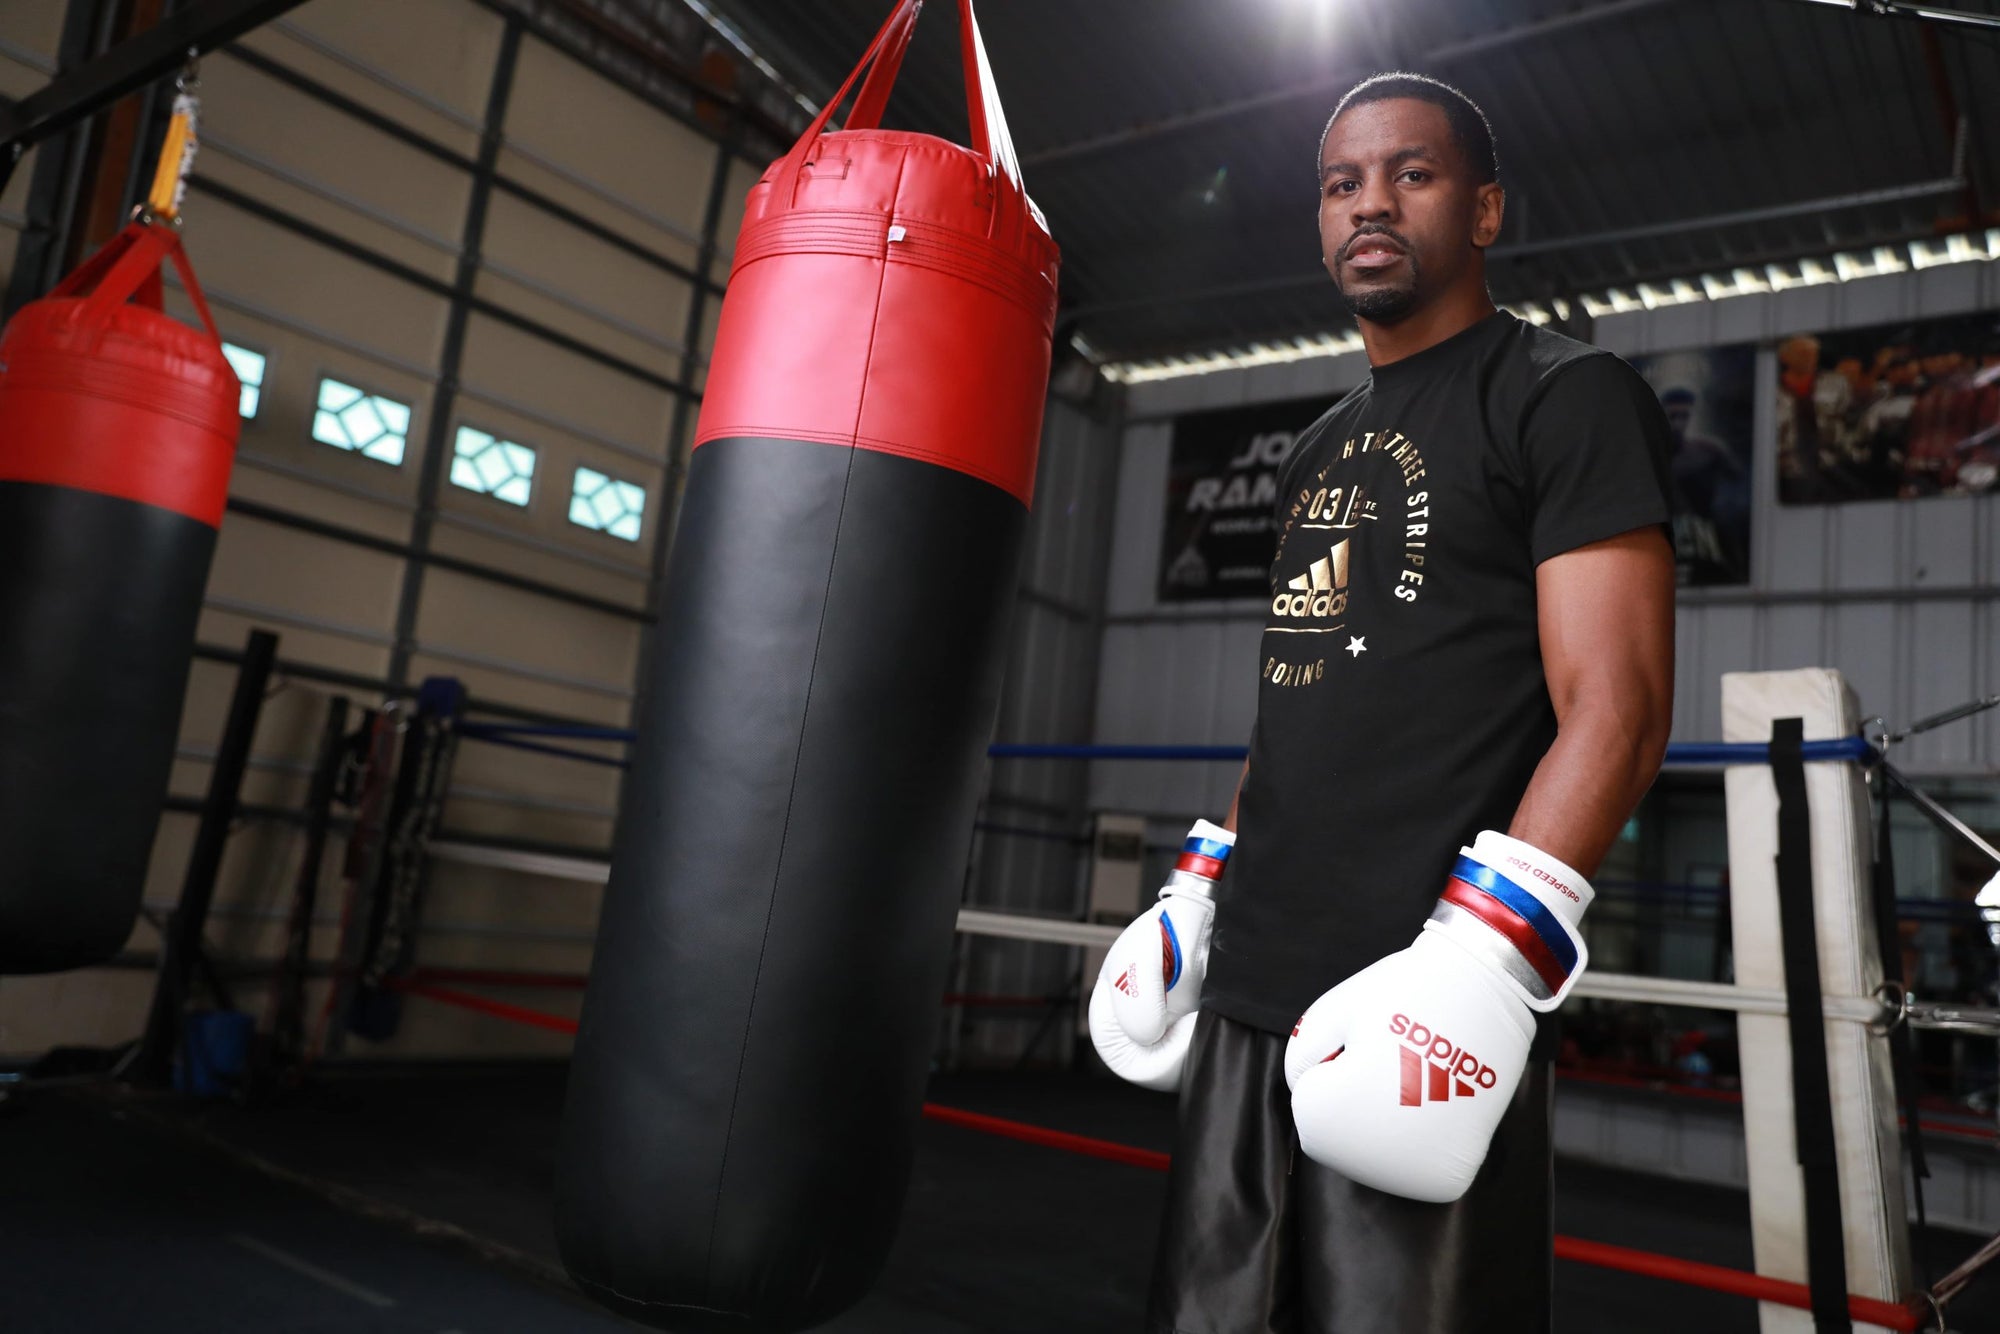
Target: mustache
[{"x": 1367, "y": 230}]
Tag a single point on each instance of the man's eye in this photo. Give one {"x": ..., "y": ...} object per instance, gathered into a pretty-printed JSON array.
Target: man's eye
[
  {"x": 1340, "y": 187},
  {"x": 1416, "y": 174}
]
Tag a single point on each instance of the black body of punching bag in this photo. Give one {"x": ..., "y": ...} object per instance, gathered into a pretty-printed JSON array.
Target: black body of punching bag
[
  {"x": 118, "y": 426},
  {"x": 776, "y": 934}
]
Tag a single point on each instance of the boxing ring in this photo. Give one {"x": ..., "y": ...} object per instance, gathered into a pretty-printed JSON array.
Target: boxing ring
[{"x": 1819, "y": 1008}]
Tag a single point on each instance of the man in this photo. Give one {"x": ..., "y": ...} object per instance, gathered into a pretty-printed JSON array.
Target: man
[
  {"x": 1712, "y": 519},
  {"x": 1471, "y": 630}
]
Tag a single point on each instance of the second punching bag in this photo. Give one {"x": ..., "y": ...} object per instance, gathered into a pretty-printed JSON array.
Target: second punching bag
[
  {"x": 775, "y": 937},
  {"x": 118, "y": 427}
]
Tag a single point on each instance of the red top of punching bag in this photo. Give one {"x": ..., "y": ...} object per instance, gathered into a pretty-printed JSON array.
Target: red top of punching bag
[
  {"x": 102, "y": 393},
  {"x": 892, "y": 291}
]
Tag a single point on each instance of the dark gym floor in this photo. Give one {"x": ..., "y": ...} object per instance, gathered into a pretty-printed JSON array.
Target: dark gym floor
[{"x": 417, "y": 1202}]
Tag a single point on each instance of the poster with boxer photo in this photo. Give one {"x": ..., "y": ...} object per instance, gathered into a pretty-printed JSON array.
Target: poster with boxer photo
[
  {"x": 1708, "y": 397},
  {"x": 1222, "y": 490},
  {"x": 1896, "y": 410}
]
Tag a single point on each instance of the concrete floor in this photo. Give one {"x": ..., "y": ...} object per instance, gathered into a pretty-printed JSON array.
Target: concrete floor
[{"x": 417, "y": 1202}]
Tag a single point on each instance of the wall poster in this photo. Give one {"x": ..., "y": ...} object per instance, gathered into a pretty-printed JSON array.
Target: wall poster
[
  {"x": 1897, "y": 410},
  {"x": 1222, "y": 490},
  {"x": 1708, "y": 396}
]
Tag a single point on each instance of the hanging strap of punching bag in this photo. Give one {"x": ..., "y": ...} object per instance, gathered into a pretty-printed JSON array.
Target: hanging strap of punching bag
[
  {"x": 882, "y": 61},
  {"x": 874, "y": 96},
  {"x": 177, "y": 150},
  {"x": 989, "y": 122},
  {"x": 785, "y": 179},
  {"x": 128, "y": 267}
]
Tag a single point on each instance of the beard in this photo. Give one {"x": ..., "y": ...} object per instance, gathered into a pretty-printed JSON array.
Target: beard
[{"x": 1385, "y": 304}]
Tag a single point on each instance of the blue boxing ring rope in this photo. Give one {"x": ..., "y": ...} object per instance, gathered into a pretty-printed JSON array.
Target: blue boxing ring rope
[{"x": 1686, "y": 754}]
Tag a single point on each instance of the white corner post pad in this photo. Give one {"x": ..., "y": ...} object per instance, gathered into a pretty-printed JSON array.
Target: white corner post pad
[{"x": 1866, "y": 1141}]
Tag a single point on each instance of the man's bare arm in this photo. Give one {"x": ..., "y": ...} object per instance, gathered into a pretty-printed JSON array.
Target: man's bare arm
[
  {"x": 1230, "y": 823},
  {"x": 1606, "y": 616}
]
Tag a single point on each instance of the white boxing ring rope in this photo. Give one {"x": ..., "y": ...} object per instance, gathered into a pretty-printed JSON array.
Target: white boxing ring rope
[{"x": 1874, "y": 1010}]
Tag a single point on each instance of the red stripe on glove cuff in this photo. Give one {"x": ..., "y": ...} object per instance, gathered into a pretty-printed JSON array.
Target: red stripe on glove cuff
[
  {"x": 1511, "y": 925},
  {"x": 1200, "y": 865}
]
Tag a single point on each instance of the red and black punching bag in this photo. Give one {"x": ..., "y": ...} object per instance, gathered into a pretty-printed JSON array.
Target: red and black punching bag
[
  {"x": 118, "y": 426},
  {"x": 774, "y": 940}
]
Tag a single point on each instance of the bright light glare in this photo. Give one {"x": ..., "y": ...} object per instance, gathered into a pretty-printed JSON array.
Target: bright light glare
[{"x": 1846, "y": 266}]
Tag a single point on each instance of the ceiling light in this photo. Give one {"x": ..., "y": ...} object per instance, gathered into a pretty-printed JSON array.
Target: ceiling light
[{"x": 1845, "y": 266}]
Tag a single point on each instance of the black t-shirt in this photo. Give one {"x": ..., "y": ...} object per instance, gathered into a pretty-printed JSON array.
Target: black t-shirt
[{"x": 1402, "y": 707}]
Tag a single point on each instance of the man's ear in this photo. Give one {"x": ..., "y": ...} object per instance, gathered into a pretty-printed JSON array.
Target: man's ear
[{"x": 1490, "y": 208}]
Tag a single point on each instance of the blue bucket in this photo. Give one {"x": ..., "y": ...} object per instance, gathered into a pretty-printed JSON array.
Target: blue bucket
[{"x": 215, "y": 1051}]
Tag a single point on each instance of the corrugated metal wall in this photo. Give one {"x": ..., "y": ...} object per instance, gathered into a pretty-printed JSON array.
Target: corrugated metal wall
[
  {"x": 1028, "y": 851},
  {"x": 1896, "y": 594}
]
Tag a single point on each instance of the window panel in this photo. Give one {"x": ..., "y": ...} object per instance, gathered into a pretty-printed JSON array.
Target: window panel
[
  {"x": 372, "y": 425},
  {"x": 249, "y": 367},
  {"x": 607, "y": 505},
  {"x": 503, "y": 469}
]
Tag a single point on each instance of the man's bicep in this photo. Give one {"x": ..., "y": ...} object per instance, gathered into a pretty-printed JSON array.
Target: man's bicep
[{"x": 1605, "y": 614}]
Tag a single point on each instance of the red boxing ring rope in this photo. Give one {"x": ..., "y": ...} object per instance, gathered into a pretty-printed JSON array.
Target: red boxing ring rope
[{"x": 1692, "y": 1273}]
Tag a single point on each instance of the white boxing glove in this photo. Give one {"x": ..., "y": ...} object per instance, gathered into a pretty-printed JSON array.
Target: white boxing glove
[
  {"x": 1400, "y": 1074},
  {"x": 1142, "y": 1008}
]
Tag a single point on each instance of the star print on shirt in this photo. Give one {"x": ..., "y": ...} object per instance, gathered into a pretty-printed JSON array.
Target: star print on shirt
[{"x": 1357, "y": 646}]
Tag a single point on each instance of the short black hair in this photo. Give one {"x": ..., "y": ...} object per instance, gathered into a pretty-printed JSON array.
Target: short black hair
[{"x": 1469, "y": 126}]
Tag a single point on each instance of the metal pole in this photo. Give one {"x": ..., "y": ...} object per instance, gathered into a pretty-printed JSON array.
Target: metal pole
[
  {"x": 131, "y": 65},
  {"x": 288, "y": 1029},
  {"x": 437, "y": 434},
  {"x": 1901, "y": 9},
  {"x": 152, "y": 1063},
  {"x": 58, "y": 174},
  {"x": 1936, "y": 813}
]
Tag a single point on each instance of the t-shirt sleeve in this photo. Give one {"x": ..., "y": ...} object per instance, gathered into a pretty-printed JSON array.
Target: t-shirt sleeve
[
  {"x": 1288, "y": 471},
  {"x": 1596, "y": 447}
]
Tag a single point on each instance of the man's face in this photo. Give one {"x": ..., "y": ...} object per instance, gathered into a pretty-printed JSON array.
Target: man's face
[{"x": 1401, "y": 218}]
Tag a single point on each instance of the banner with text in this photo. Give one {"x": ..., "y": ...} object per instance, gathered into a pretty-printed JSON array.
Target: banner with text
[{"x": 1222, "y": 489}]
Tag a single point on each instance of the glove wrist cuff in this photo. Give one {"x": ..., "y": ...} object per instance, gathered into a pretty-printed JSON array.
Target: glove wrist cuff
[
  {"x": 1561, "y": 889},
  {"x": 1205, "y": 852},
  {"x": 1499, "y": 905}
]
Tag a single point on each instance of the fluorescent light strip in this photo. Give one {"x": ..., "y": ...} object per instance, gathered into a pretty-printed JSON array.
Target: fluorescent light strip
[{"x": 1965, "y": 248}]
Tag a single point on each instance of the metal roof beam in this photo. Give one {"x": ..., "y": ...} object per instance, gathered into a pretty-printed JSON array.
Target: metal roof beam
[
  {"x": 168, "y": 45},
  {"x": 1335, "y": 83},
  {"x": 1901, "y": 9},
  {"x": 1741, "y": 217}
]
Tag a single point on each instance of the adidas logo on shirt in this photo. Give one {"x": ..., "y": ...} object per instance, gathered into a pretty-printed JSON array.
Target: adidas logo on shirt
[
  {"x": 1434, "y": 1069},
  {"x": 1321, "y": 591}
]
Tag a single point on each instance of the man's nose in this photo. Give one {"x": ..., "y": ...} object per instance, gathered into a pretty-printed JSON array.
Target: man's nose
[{"x": 1374, "y": 201}]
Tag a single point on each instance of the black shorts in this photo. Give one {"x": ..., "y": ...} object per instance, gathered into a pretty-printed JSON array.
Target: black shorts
[{"x": 1259, "y": 1239}]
